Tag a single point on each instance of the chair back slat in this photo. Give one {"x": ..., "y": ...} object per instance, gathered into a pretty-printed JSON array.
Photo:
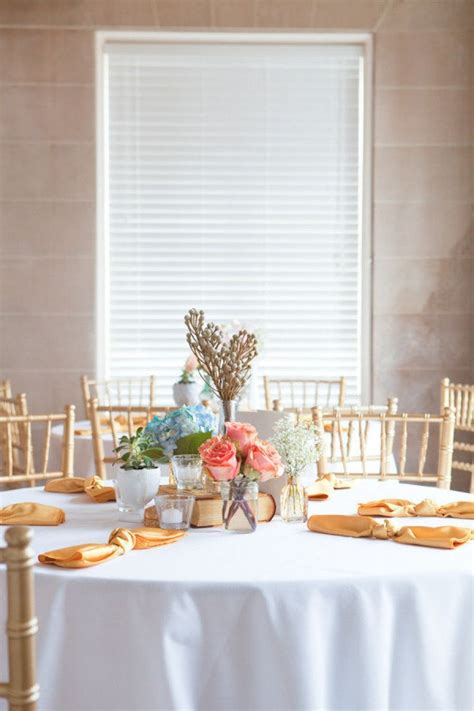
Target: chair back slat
[
  {"x": 9, "y": 449},
  {"x": 5, "y": 390},
  {"x": 424, "y": 446},
  {"x": 363, "y": 440},
  {"x": 383, "y": 453},
  {"x": 403, "y": 445},
  {"x": 342, "y": 447},
  {"x": 349, "y": 437},
  {"x": 46, "y": 445}
]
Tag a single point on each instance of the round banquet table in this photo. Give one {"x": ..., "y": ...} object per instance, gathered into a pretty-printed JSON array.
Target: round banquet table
[{"x": 282, "y": 619}]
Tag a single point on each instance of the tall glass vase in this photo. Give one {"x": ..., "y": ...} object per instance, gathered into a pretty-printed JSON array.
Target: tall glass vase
[
  {"x": 227, "y": 413},
  {"x": 293, "y": 501},
  {"x": 240, "y": 505}
]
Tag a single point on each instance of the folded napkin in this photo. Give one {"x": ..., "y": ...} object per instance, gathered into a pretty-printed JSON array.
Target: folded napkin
[
  {"x": 365, "y": 527},
  {"x": 66, "y": 485},
  {"x": 323, "y": 487},
  {"x": 427, "y": 507},
  {"x": 30, "y": 514},
  {"x": 97, "y": 489},
  {"x": 94, "y": 486},
  {"x": 121, "y": 541}
]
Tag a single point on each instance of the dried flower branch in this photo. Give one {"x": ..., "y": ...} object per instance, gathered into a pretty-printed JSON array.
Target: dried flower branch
[{"x": 228, "y": 365}]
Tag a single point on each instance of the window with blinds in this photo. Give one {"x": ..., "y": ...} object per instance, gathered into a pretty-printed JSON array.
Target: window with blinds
[{"x": 232, "y": 183}]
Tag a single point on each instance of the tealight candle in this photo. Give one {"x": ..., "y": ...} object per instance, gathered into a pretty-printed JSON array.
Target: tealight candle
[
  {"x": 171, "y": 515},
  {"x": 174, "y": 511}
]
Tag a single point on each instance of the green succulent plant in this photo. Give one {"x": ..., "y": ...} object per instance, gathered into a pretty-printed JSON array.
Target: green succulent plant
[{"x": 138, "y": 451}]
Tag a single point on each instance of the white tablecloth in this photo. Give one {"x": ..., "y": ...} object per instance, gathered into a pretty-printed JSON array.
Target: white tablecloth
[{"x": 283, "y": 619}]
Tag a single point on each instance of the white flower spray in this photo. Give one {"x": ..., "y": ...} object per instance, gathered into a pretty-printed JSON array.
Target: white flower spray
[{"x": 297, "y": 445}]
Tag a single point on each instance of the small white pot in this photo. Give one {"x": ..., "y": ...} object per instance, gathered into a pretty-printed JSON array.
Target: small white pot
[
  {"x": 187, "y": 393},
  {"x": 134, "y": 489}
]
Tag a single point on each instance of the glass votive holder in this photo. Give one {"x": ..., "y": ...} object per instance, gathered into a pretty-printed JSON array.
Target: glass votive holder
[
  {"x": 174, "y": 511},
  {"x": 187, "y": 469}
]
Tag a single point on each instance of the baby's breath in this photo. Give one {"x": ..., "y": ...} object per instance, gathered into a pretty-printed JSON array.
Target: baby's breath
[{"x": 297, "y": 445}]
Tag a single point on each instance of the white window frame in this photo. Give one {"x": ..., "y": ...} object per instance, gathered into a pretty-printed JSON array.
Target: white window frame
[{"x": 365, "y": 41}]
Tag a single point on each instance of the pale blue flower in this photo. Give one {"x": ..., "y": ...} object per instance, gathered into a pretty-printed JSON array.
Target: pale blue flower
[{"x": 187, "y": 420}]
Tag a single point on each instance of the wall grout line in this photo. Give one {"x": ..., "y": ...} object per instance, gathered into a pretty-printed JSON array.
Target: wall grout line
[
  {"x": 47, "y": 84},
  {"x": 423, "y": 145},
  {"x": 46, "y": 142},
  {"x": 227, "y": 28},
  {"x": 417, "y": 87}
]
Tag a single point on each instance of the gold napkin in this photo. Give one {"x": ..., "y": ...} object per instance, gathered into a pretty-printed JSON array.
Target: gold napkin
[
  {"x": 121, "y": 541},
  {"x": 66, "y": 485},
  {"x": 97, "y": 489},
  {"x": 324, "y": 486},
  {"x": 427, "y": 507},
  {"x": 365, "y": 527},
  {"x": 30, "y": 514},
  {"x": 94, "y": 486}
]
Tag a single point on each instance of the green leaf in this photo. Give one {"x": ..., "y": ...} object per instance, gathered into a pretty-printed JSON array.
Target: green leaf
[
  {"x": 153, "y": 452},
  {"x": 191, "y": 443}
]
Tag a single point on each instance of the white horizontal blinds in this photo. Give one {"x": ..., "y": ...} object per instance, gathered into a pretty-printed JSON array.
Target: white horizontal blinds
[{"x": 233, "y": 187}]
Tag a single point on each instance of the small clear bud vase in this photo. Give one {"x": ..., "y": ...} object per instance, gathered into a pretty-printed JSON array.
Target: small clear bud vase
[
  {"x": 293, "y": 501},
  {"x": 240, "y": 505}
]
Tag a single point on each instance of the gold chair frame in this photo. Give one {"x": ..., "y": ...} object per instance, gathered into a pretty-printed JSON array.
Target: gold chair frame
[
  {"x": 5, "y": 389},
  {"x": 109, "y": 414},
  {"x": 27, "y": 472},
  {"x": 12, "y": 407},
  {"x": 309, "y": 385},
  {"x": 344, "y": 427},
  {"x": 21, "y": 690},
  {"x": 119, "y": 387},
  {"x": 461, "y": 398}
]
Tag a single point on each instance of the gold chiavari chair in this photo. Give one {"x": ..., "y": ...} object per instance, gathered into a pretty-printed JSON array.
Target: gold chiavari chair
[
  {"x": 5, "y": 389},
  {"x": 27, "y": 472},
  {"x": 11, "y": 407},
  {"x": 461, "y": 398},
  {"x": 117, "y": 420},
  {"x": 120, "y": 391},
  {"x": 296, "y": 394},
  {"x": 21, "y": 690},
  {"x": 349, "y": 440}
]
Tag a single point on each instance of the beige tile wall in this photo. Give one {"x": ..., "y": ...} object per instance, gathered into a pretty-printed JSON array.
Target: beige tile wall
[{"x": 423, "y": 180}]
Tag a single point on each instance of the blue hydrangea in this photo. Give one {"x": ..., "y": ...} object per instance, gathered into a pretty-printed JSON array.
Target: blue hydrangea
[{"x": 187, "y": 420}]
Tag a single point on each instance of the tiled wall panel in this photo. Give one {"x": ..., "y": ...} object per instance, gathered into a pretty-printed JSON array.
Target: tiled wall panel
[{"x": 423, "y": 180}]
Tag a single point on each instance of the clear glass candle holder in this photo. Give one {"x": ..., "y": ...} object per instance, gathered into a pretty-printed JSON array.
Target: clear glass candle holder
[
  {"x": 174, "y": 511},
  {"x": 187, "y": 469}
]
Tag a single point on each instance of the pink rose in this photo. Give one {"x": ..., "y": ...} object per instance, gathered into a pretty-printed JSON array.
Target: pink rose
[
  {"x": 220, "y": 458},
  {"x": 264, "y": 459},
  {"x": 191, "y": 363},
  {"x": 242, "y": 435}
]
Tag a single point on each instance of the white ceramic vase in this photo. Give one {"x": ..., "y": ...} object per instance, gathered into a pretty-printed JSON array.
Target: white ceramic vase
[
  {"x": 134, "y": 489},
  {"x": 187, "y": 393}
]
